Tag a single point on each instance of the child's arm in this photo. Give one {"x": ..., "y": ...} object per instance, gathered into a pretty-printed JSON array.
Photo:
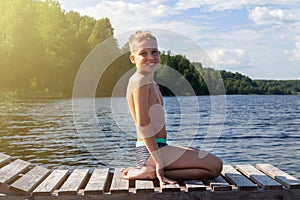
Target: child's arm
[{"x": 158, "y": 159}]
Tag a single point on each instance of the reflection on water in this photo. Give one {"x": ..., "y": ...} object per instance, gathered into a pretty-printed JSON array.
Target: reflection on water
[{"x": 258, "y": 129}]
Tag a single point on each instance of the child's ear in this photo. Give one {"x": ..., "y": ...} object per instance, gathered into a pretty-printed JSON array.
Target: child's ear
[{"x": 131, "y": 57}]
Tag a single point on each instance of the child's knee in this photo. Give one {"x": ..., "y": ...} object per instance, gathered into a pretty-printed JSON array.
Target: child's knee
[{"x": 218, "y": 166}]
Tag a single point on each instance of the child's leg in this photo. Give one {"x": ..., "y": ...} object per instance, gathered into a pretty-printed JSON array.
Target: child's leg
[
  {"x": 181, "y": 163},
  {"x": 187, "y": 174},
  {"x": 189, "y": 163}
]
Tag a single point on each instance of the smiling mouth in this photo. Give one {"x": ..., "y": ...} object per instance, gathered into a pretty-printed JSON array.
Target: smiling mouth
[{"x": 151, "y": 64}]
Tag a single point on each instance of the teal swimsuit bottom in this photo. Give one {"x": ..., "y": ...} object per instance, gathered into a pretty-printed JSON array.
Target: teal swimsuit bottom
[
  {"x": 158, "y": 140},
  {"x": 142, "y": 153}
]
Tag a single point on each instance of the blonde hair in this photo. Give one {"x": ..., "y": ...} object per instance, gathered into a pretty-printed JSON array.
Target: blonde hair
[{"x": 139, "y": 36}]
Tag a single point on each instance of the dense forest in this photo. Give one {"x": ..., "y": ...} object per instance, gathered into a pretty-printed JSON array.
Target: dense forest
[
  {"x": 42, "y": 48},
  {"x": 234, "y": 83}
]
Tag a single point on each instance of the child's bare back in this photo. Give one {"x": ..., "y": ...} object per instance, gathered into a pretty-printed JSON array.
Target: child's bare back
[{"x": 139, "y": 83}]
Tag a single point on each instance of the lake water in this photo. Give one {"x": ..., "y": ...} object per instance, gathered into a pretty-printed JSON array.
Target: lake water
[{"x": 256, "y": 129}]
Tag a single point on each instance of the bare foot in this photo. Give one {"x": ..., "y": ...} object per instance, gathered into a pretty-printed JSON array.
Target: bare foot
[
  {"x": 126, "y": 170},
  {"x": 146, "y": 172}
]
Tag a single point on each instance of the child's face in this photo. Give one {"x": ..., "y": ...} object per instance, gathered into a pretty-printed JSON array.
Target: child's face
[{"x": 146, "y": 57}]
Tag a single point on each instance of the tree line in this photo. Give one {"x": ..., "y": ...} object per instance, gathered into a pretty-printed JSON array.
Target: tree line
[
  {"x": 233, "y": 83},
  {"x": 42, "y": 48}
]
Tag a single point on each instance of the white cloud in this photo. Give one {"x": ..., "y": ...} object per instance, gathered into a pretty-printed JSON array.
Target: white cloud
[
  {"x": 233, "y": 46},
  {"x": 221, "y": 5},
  {"x": 230, "y": 58},
  {"x": 296, "y": 51},
  {"x": 210, "y": 5},
  {"x": 264, "y": 15},
  {"x": 129, "y": 16}
]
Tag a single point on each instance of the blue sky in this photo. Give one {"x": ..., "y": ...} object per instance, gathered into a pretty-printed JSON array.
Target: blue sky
[{"x": 258, "y": 38}]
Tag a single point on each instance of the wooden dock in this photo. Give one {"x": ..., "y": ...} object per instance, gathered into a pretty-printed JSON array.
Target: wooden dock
[{"x": 20, "y": 180}]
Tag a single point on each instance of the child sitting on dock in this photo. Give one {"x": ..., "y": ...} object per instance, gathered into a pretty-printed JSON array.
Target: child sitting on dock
[{"x": 155, "y": 158}]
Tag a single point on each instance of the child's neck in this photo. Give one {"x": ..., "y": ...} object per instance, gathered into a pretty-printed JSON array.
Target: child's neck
[{"x": 150, "y": 76}]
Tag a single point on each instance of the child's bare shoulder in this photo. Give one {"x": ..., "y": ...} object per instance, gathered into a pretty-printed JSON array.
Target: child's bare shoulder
[{"x": 138, "y": 80}]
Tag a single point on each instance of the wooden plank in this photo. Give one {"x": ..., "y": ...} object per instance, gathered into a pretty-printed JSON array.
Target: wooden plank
[
  {"x": 74, "y": 182},
  {"x": 258, "y": 177},
  {"x": 47, "y": 187},
  {"x": 280, "y": 176},
  {"x": 144, "y": 186},
  {"x": 219, "y": 184},
  {"x": 170, "y": 188},
  {"x": 194, "y": 185},
  {"x": 118, "y": 184},
  {"x": 237, "y": 178},
  {"x": 97, "y": 182},
  {"x": 4, "y": 159},
  {"x": 12, "y": 170},
  {"x": 30, "y": 180}
]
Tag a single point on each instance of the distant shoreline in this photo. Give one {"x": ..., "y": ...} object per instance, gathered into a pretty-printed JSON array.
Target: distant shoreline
[{"x": 7, "y": 98}]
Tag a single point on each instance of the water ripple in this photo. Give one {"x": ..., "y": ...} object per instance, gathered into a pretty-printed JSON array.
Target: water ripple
[{"x": 257, "y": 129}]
